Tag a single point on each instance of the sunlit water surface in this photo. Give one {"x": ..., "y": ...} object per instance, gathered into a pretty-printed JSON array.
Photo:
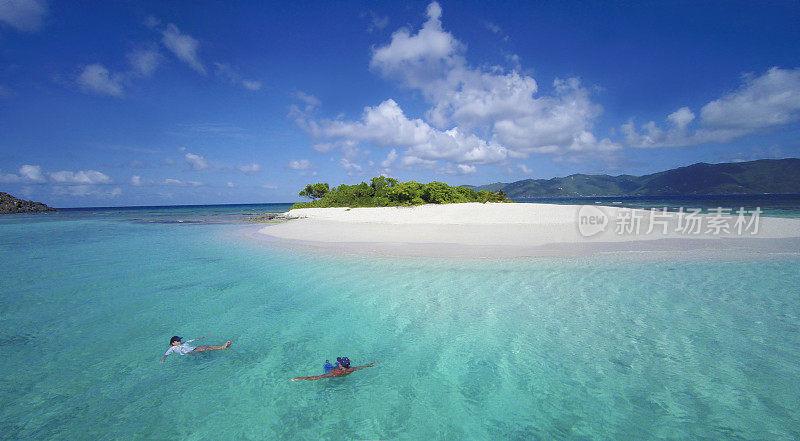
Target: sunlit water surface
[{"x": 602, "y": 348}]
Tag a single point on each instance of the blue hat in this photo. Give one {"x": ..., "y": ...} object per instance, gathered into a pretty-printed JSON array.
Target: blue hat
[{"x": 343, "y": 361}]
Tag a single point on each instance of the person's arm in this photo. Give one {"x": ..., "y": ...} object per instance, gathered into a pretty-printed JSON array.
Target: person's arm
[
  {"x": 366, "y": 366},
  {"x": 169, "y": 351},
  {"x": 316, "y": 377},
  {"x": 195, "y": 339}
]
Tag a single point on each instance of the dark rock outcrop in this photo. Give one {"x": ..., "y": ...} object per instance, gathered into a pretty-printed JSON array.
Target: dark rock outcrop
[
  {"x": 10, "y": 204},
  {"x": 270, "y": 218}
]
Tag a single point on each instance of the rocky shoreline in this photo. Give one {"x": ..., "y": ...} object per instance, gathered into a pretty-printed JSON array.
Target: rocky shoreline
[
  {"x": 270, "y": 218},
  {"x": 10, "y": 205}
]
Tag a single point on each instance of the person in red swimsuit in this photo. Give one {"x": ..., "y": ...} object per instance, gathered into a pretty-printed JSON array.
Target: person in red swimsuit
[{"x": 341, "y": 369}]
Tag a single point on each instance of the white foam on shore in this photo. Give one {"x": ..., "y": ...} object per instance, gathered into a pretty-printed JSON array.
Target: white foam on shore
[{"x": 509, "y": 230}]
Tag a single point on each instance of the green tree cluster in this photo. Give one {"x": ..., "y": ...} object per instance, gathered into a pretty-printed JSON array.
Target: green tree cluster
[
  {"x": 387, "y": 192},
  {"x": 315, "y": 191}
]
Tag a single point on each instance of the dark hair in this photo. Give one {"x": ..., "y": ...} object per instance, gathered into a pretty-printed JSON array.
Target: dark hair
[
  {"x": 343, "y": 362},
  {"x": 174, "y": 339}
]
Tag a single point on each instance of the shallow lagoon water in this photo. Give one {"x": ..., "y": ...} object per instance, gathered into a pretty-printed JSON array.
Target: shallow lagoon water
[{"x": 602, "y": 347}]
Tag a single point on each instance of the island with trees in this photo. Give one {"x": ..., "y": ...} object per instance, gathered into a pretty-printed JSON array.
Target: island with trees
[
  {"x": 9, "y": 204},
  {"x": 389, "y": 192}
]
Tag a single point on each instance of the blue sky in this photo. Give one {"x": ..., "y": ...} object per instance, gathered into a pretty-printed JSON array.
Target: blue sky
[{"x": 152, "y": 103}]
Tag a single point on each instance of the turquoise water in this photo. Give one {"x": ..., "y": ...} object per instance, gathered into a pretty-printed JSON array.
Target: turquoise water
[{"x": 600, "y": 348}]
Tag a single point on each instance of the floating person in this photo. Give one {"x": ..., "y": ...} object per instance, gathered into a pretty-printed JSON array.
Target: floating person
[
  {"x": 176, "y": 346},
  {"x": 341, "y": 369}
]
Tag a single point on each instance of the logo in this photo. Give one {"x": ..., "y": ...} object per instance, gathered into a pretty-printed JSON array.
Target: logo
[{"x": 591, "y": 220}]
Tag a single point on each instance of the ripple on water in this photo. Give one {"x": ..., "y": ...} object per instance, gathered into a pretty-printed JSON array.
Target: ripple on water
[{"x": 515, "y": 349}]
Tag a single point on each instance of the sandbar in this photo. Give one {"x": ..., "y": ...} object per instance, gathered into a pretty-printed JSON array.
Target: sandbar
[{"x": 531, "y": 230}]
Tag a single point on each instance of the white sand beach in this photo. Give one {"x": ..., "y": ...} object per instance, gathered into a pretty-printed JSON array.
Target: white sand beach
[{"x": 524, "y": 229}]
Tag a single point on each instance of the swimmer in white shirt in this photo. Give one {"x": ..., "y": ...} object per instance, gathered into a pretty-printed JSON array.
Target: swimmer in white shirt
[{"x": 178, "y": 347}]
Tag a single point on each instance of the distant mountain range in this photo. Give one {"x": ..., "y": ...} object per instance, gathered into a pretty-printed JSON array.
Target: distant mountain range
[{"x": 753, "y": 177}]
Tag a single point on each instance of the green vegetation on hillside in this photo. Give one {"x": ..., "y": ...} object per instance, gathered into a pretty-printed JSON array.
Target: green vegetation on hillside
[
  {"x": 754, "y": 177},
  {"x": 10, "y": 204},
  {"x": 388, "y": 192}
]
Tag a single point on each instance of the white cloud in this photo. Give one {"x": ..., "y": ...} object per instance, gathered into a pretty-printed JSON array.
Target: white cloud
[
  {"x": 759, "y": 104},
  {"x": 179, "y": 183},
  {"x": 476, "y": 115},
  {"x": 23, "y": 15},
  {"x": 97, "y": 79},
  {"x": 505, "y": 104},
  {"x": 144, "y": 61},
  {"x": 229, "y": 73},
  {"x": 351, "y": 151},
  {"x": 302, "y": 164},
  {"x": 87, "y": 190},
  {"x": 27, "y": 192},
  {"x": 137, "y": 181},
  {"x": 88, "y": 177},
  {"x": 310, "y": 100},
  {"x": 514, "y": 61},
  {"x": 412, "y": 161},
  {"x": 9, "y": 178},
  {"x": 269, "y": 187},
  {"x": 390, "y": 158},
  {"x": 459, "y": 169},
  {"x": 466, "y": 169},
  {"x": 386, "y": 125},
  {"x": 152, "y": 22},
  {"x": 524, "y": 168},
  {"x": 351, "y": 167},
  {"x": 681, "y": 118},
  {"x": 377, "y": 22},
  {"x": 135, "y": 163},
  {"x": 251, "y": 85},
  {"x": 213, "y": 128},
  {"x": 769, "y": 100},
  {"x": 301, "y": 116},
  {"x": 249, "y": 168},
  {"x": 230, "y": 185},
  {"x": 183, "y": 46},
  {"x": 323, "y": 147},
  {"x": 422, "y": 58},
  {"x": 586, "y": 142},
  {"x": 32, "y": 173},
  {"x": 196, "y": 162}
]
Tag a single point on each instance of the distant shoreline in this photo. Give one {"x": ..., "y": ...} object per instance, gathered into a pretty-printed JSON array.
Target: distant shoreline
[
  {"x": 668, "y": 196},
  {"x": 759, "y": 177},
  {"x": 517, "y": 230},
  {"x": 698, "y": 197}
]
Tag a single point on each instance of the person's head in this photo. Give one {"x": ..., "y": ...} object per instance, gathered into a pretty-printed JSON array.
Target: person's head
[
  {"x": 175, "y": 341},
  {"x": 343, "y": 362}
]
